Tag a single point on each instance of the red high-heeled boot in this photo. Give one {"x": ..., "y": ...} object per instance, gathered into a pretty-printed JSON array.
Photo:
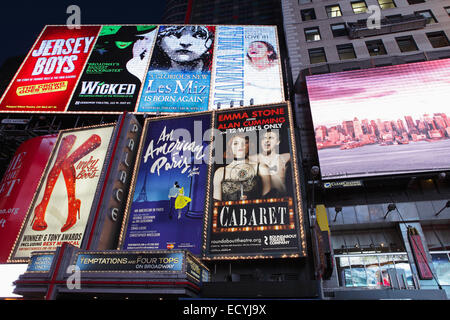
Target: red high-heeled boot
[
  {"x": 38, "y": 222},
  {"x": 69, "y": 173}
]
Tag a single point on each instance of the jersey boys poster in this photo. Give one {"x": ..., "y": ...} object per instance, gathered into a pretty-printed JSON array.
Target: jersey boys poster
[
  {"x": 62, "y": 204},
  {"x": 166, "y": 208},
  {"x": 50, "y": 72},
  {"x": 18, "y": 185},
  {"x": 247, "y": 67},
  {"x": 179, "y": 75},
  {"x": 253, "y": 190},
  {"x": 115, "y": 70}
]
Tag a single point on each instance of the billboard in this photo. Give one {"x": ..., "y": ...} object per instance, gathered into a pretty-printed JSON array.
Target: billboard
[
  {"x": 247, "y": 67},
  {"x": 255, "y": 204},
  {"x": 47, "y": 77},
  {"x": 115, "y": 70},
  {"x": 382, "y": 121},
  {"x": 179, "y": 75},
  {"x": 18, "y": 185},
  {"x": 62, "y": 203},
  {"x": 159, "y": 69},
  {"x": 167, "y": 201}
]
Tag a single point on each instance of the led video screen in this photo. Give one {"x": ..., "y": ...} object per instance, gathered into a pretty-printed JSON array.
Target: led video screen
[{"x": 382, "y": 121}]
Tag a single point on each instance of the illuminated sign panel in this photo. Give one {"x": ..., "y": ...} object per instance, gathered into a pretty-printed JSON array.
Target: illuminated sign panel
[
  {"x": 247, "y": 67},
  {"x": 115, "y": 70},
  {"x": 168, "y": 200},
  {"x": 179, "y": 75},
  {"x": 18, "y": 185},
  {"x": 46, "y": 79},
  {"x": 148, "y": 69},
  {"x": 62, "y": 203},
  {"x": 381, "y": 121},
  {"x": 255, "y": 209}
]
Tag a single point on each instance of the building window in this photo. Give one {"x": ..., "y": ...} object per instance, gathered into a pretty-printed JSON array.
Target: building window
[
  {"x": 406, "y": 44},
  {"x": 386, "y": 4},
  {"x": 359, "y": 7},
  {"x": 339, "y": 30},
  {"x": 428, "y": 15},
  {"x": 346, "y": 51},
  {"x": 415, "y": 1},
  {"x": 308, "y": 14},
  {"x": 448, "y": 10},
  {"x": 438, "y": 39},
  {"x": 333, "y": 11},
  {"x": 376, "y": 47},
  {"x": 374, "y": 270},
  {"x": 304, "y": 1},
  {"x": 441, "y": 263},
  {"x": 317, "y": 55},
  {"x": 312, "y": 34}
]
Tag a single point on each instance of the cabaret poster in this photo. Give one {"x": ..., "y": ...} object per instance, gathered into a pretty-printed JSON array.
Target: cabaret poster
[
  {"x": 179, "y": 75},
  {"x": 46, "y": 79},
  {"x": 247, "y": 67},
  {"x": 254, "y": 196},
  {"x": 62, "y": 204},
  {"x": 115, "y": 70},
  {"x": 166, "y": 207}
]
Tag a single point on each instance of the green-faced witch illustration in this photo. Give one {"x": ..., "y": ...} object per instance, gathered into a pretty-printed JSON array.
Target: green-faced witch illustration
[{"x": 128, "y": 46}]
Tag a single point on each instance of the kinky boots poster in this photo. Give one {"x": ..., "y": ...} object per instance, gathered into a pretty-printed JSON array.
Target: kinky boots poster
[
  {"x": 62, "y": 203},
  {"x": 255, "y": 196},
  {"x": 115, "y": 70}
]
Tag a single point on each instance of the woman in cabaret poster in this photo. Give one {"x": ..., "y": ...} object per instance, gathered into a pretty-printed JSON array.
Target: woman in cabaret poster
[
  {"x": 167, "y": 206},
  {"x": 253, "y": 192},
  {"x": 115, "y": 70},
  {"x": 62, "y": 204},
  {"x": 178, "y": 78}
]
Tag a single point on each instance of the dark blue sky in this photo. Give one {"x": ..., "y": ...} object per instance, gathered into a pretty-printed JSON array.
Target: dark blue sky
[{"x": 21, "y": 21}]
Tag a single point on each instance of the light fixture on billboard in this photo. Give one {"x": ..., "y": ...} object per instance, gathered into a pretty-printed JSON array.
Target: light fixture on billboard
[
  {"x": 231, "y": 104},
  {"x": 252, "y": 101},
  {"x": 241, "y": 103},
  {"x": 442, "y": 176},
  {"x": 391, "y": 207},
  {"x": 218, "y": 105},
  {"x": 447, "y": 205},
  {"x": 337, "y": 209}
]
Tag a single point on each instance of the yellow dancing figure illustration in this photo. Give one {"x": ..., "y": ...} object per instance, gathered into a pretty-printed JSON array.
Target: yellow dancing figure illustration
[{"x": 181, "y": 201}]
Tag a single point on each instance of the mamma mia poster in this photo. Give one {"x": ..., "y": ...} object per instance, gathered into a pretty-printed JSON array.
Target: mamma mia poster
[
  {"x": 179, "y": 75},
  {"x": 165, "y": 208}
]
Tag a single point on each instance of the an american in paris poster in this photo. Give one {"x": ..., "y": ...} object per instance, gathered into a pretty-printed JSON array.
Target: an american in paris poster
[
  {"x": 167, "y": 208},
  {"x": 50, "y": 72},
  {"x": 115, "y": 70},
  {"x": 62, "y": 204},
  {"x": 179, "y": 75},
  {"x": 253, "y": 210}
]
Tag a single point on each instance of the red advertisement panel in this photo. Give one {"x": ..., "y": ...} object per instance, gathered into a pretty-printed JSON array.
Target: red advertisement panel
[
  {"x": 18, "y": 186},
  {"x": 50, "y": 72}
]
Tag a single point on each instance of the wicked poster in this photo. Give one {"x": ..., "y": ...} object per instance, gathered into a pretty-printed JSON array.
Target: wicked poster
[
  {"x": 62, "y": 203},
  {"x": 255, "y": 210},
  {"x": 115, "y": 70},
  {"x": 166, "y": 205},
  {"x": 179, "y": 75}
]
